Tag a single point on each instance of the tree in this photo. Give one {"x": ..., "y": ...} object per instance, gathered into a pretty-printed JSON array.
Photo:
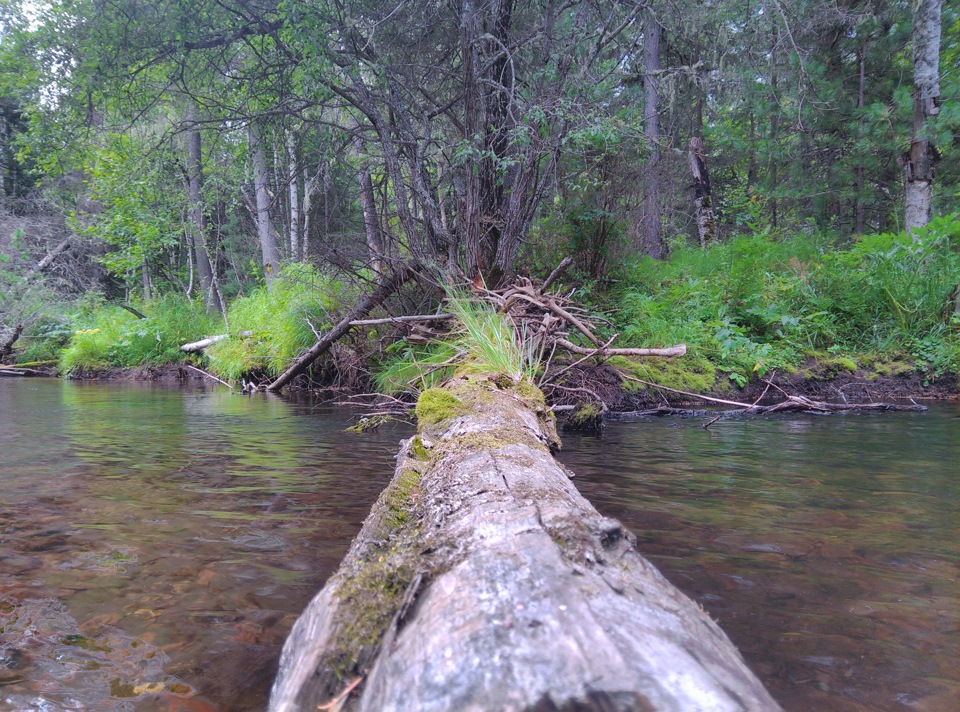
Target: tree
[{"x": 921, "y": 159}]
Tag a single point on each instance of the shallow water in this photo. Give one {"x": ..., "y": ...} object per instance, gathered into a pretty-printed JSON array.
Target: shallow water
[
  {"x": 828, "y": 548},
  {"x": 156, "y": 545}
]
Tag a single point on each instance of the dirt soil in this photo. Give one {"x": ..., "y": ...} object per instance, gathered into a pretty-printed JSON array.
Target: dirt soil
[
  {"x": 604, "y": 382},
  {"x": 167, "y": 375}
]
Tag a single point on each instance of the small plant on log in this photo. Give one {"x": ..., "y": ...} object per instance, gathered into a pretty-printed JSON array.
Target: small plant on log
[{"x": 490, "y": 343}]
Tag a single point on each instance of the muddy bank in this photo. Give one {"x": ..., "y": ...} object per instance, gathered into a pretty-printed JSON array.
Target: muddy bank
[{"x": 817, "y": 380}]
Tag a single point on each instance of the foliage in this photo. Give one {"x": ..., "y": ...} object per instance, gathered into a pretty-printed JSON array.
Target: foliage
[
  {"x": 284, "y": 320},
  {"x": 108, "y": 335},
  {"x": 490, "y": 342},
  {"x": 756, "y": 303}
]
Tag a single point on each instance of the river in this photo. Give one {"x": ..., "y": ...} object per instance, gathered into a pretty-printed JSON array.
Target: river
[{"x": 156, "y": 545}]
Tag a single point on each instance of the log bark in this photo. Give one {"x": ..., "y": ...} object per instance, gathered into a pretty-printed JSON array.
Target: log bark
[
  {"x": 482, "y": 580},
  {"x": 302, "y": 363}
]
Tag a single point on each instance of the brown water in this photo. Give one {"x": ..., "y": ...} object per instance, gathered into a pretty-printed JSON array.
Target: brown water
[
  {"x": 828, "y": 548},
  {"x": 156, "y": 545}
]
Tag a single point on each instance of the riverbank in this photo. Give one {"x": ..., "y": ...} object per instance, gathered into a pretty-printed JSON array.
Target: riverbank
[{"x": 817, "y": 380}]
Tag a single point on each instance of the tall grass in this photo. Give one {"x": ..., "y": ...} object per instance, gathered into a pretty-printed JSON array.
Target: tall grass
[
  {"x": 485, "y": 342},
  {"x": 284, "y": 321},
  {"x": 490, "y": 341},
  {"x": 108, "y": 335}
]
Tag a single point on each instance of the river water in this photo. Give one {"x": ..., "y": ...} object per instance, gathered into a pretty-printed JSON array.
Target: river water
[{"x": 156, "y": 545}]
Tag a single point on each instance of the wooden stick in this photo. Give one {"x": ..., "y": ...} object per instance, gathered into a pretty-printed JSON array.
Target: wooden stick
[
  {"x": 557, "y": 271},
  {"x": 678, "y": 350},
  {"x": 209, "y": 375},
  {"x": 402, "y": 319}
]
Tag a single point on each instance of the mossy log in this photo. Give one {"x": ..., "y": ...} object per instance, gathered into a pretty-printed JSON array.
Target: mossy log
[{"x": 482, "y": 580}]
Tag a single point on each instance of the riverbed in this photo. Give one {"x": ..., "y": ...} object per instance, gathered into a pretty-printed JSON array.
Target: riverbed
[{"x": 156, "y": 545}]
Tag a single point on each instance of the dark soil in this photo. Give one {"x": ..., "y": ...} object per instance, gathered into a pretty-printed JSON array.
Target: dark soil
[
  {"x": 167, "y": 375},
  {"x": 590, "y": 383}
]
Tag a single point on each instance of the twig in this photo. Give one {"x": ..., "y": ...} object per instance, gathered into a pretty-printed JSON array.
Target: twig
[
  {"x": 576, "y": 363},
  {"x": 210, "y": 375},
  {"x": 337, "y": 702},
  {"x": 687, "y": 393},
  {"x": 678, "y": 350}
]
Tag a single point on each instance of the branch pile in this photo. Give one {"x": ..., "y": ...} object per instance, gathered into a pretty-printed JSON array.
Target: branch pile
[{"x": 549, "y": 322}]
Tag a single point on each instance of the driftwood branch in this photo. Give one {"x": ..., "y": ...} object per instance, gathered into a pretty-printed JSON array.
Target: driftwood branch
[
  {"x": 390, "y": 284},
  {"x": 402, "y": 319},
  {"x": 678, "y": 350}
]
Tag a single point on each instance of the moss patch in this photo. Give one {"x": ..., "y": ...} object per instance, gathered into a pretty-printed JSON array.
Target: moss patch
[
  {"x": 686, "y": 373},
  {"x": 436, "y": 405}
]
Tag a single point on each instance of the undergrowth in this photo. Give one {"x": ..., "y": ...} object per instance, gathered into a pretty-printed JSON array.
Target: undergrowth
[
  {"x": 283, "y": 321},
  {"x": 756, "y": 304},
  {"x": 108, "y": 335}
]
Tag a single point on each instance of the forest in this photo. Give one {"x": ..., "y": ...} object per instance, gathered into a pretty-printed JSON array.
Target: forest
[{"x": 772, "y": 183}]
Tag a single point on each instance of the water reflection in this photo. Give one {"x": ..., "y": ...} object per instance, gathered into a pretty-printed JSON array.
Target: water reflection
[
  {"x": 155, "y": 545},
  {"x": 828, "y": 548}
]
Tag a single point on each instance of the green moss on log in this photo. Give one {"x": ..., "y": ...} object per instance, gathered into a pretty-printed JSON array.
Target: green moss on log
[{"x": 436, "y": 405}]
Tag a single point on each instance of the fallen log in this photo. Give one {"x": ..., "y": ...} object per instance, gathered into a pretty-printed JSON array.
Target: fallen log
[
  {"x": 482, "y": 580},
  {"x": 49, "y": 258},
  {"x": 390, "y": 284},
  {"x": 204, "y": 343},
  {"x": 210, "y": 341}
]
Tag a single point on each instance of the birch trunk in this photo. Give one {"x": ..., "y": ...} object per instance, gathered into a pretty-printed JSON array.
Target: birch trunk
[
  {"x": 268, "y": 235},
  {"x": 920, "y": 160},
  {"x": 482, "y": 580}
]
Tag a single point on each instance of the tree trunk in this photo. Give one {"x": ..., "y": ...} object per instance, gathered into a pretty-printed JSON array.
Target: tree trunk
[
  {"x": 859, "y": 210},
  {"x": 6, "y": 348},
  {"x": 482, "y": 580},
  {"x": 921, "y": 159},
  {"x": 706, "y": 225},
  {"x": 652, "y": 242},
  {"x": 302, "y": 363},
  {"x": 293, "y": 193},
  {"x": 371, "y": 226},
  {"x": 198, "y": 219},
  {"x": 261, "y": 185}
]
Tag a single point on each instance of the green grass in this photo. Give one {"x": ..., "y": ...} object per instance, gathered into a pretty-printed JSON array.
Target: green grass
[
  {"x": 107, "y": 335},
  {"x": 757, "y": 304},
  {"x": 284, "y": 321},
  {"x": 490, "y": 341}
]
